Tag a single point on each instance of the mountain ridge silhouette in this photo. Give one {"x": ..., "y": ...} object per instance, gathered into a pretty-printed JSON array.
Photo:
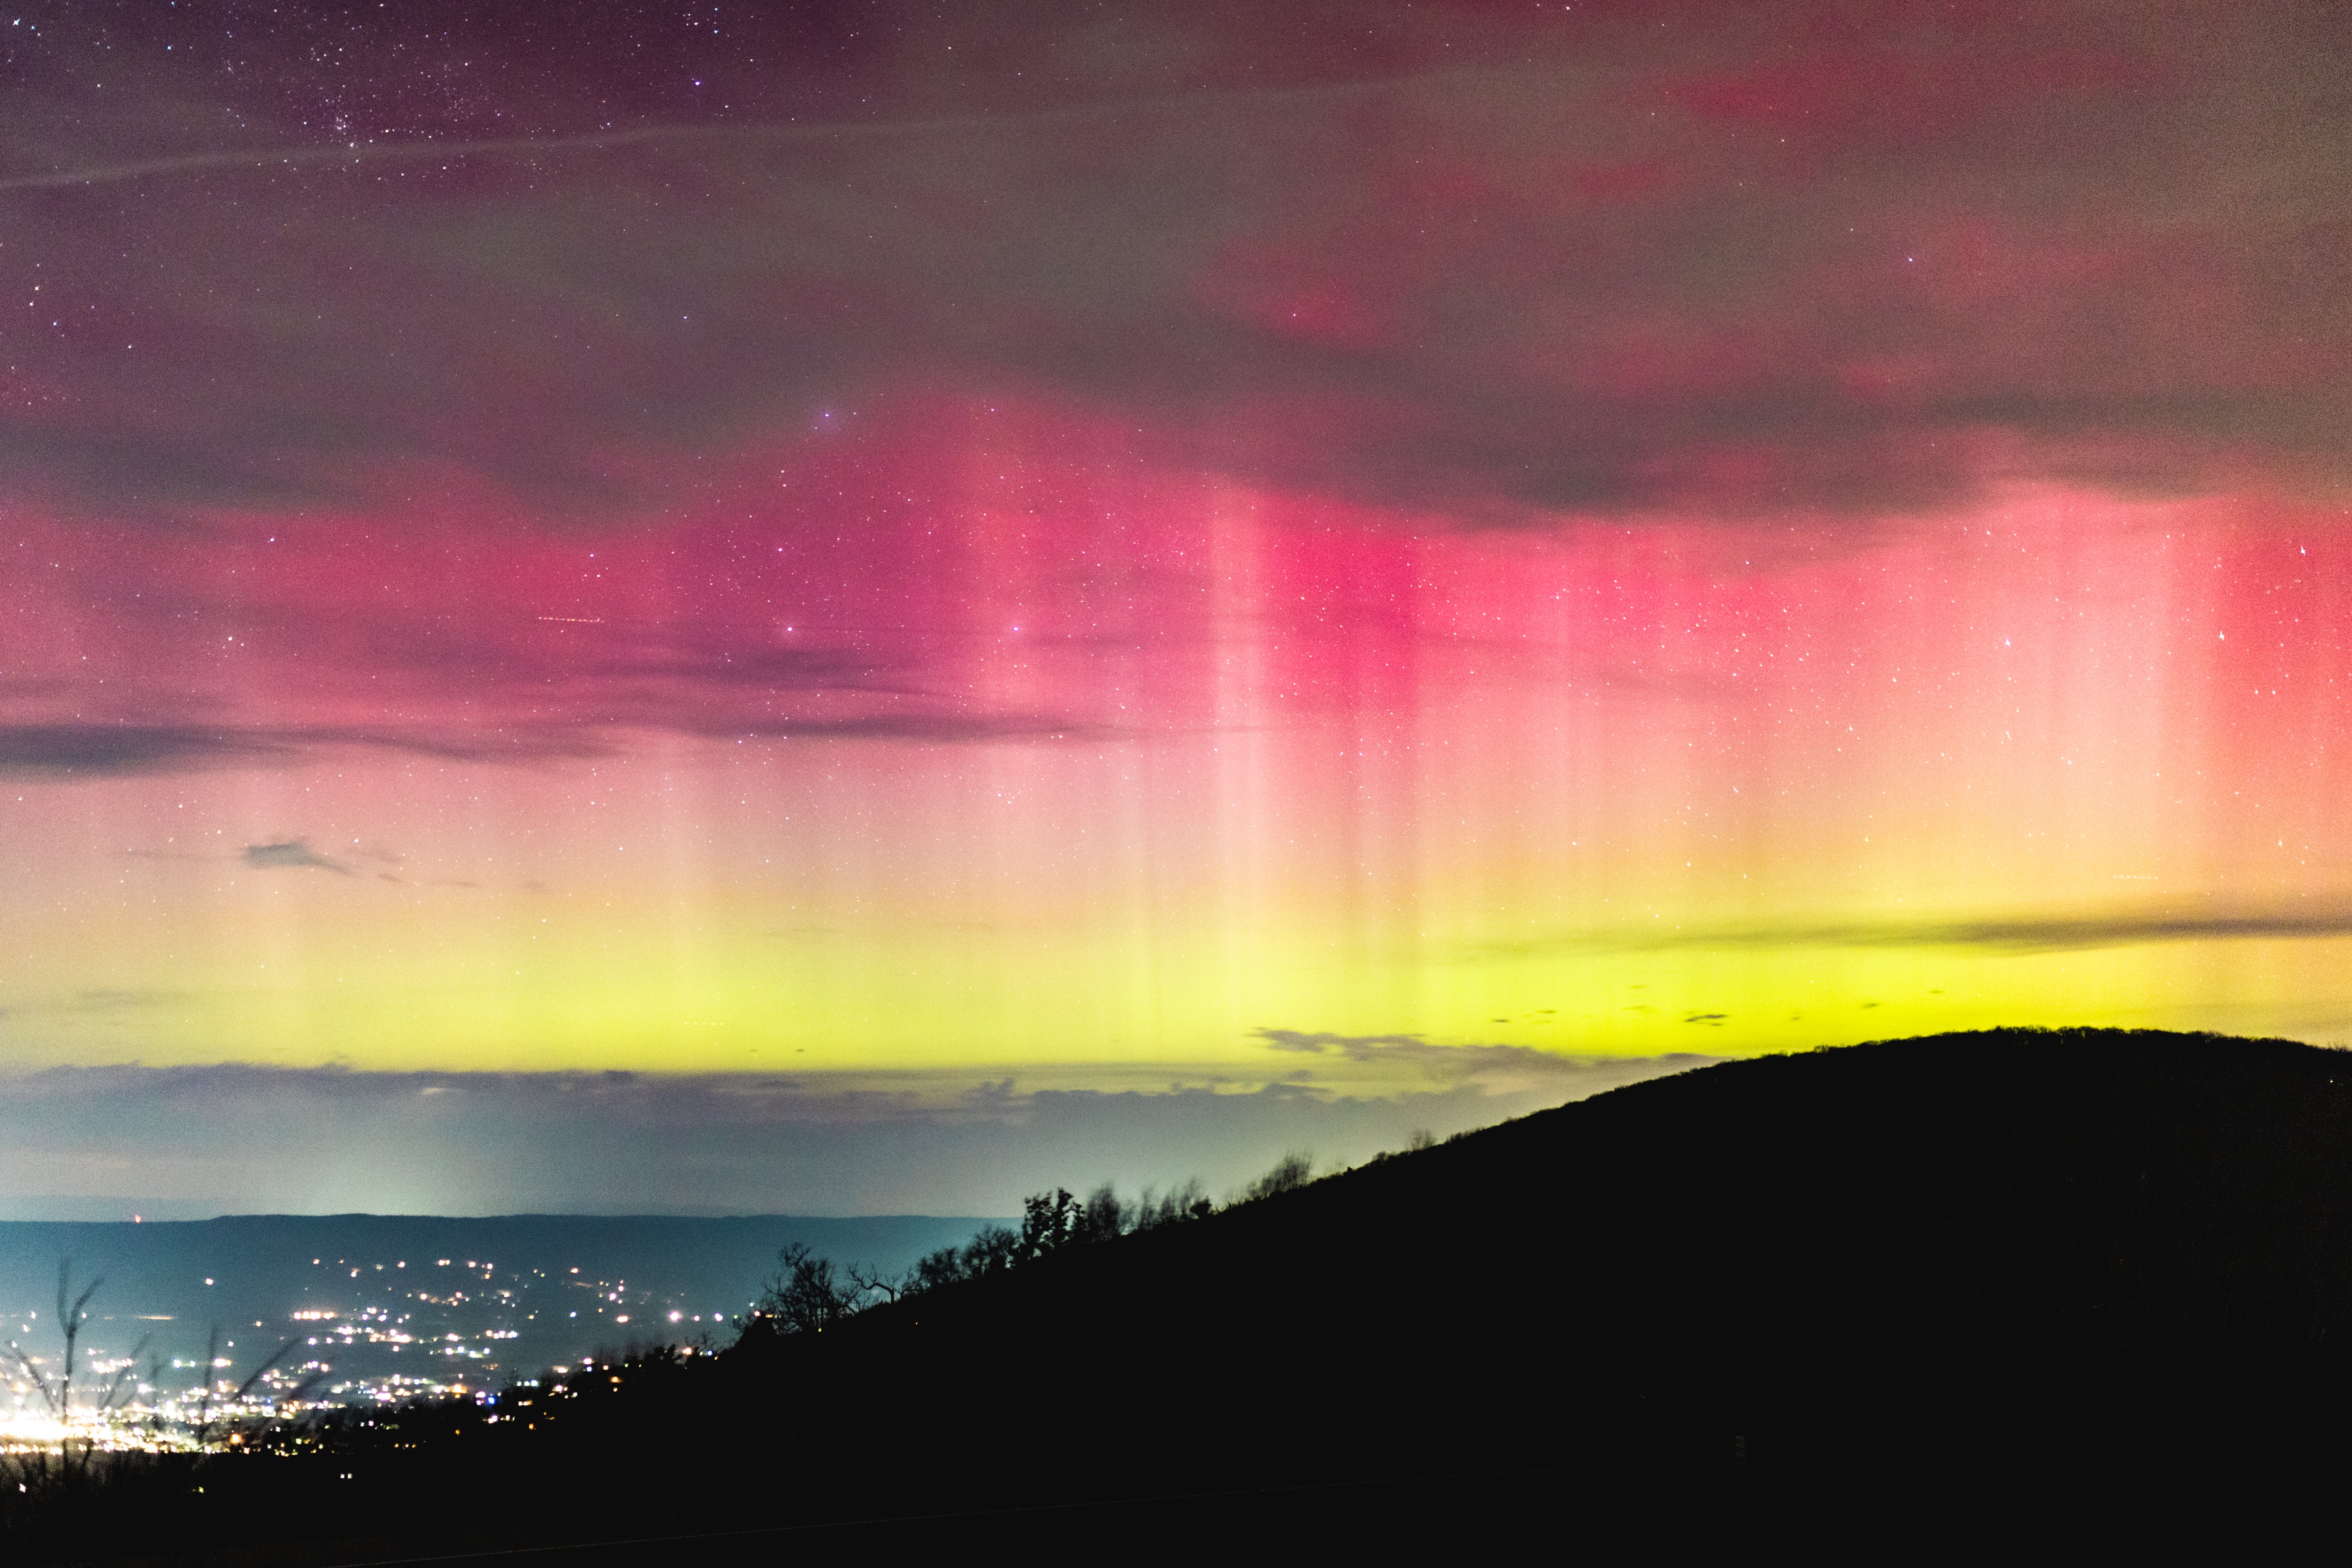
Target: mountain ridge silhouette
[{"x": 1802, "y": 1255}]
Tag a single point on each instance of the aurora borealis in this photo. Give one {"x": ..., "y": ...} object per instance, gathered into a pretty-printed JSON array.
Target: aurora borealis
[{"x": 873, "y": 556}]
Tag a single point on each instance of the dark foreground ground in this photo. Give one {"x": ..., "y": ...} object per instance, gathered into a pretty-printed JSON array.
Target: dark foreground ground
[{"x": 1945, "y": 1282}]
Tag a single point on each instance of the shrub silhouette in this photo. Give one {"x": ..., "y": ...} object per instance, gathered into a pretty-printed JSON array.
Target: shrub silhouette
[
  {"x": 1173, "y": 1207},
  {"x": 1289, "y": 1173},
  {"x": 809, "y": 1294}
]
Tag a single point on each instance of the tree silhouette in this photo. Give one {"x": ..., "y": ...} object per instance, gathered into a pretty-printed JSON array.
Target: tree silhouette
[
  {"x": 805, "y": 1297},
  {"x": 1050, "y": 1221},
  {"x": 1047, "y": 1220},
  {"x": 1290, "y": 1172},
  {"x": 1173, "y": 1207}
]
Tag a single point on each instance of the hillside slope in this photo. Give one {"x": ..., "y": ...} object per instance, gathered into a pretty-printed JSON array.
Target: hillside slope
[{"x": 2014, "y": 1233}]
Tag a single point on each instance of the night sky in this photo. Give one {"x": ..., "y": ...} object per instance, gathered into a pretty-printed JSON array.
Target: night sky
[{"x": 855, "y": 606}]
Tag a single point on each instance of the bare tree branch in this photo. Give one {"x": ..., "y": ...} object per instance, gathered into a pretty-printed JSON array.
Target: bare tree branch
[
  {"x": 130, "y": 1366},
  {"x": 48, "y": 1394},
  {"x": 872, "y": 1282},
  {"x": 247, "y": 1387}
]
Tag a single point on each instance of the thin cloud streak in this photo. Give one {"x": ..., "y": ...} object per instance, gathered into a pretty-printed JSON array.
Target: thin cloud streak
[
  {"x": 1469, "y": 1064},
  {"x": 292, "y": 855},
  {"x": 68, "y": 752},
  {"x": 826, "y": 134},
  {"x": 90, "y": 751},
  {"x": 2020, "y": 935}
]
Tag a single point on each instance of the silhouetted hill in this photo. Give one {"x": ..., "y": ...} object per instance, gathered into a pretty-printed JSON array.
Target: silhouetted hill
[
  {"x": 1974, "y": 1244},
  {"x": 1966, "y": 1260}
]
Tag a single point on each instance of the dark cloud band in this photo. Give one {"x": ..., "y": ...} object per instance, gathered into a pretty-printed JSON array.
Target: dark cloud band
[
  {"x": 2020, "y": 935},
  {"x": 71, "y": 752}
]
